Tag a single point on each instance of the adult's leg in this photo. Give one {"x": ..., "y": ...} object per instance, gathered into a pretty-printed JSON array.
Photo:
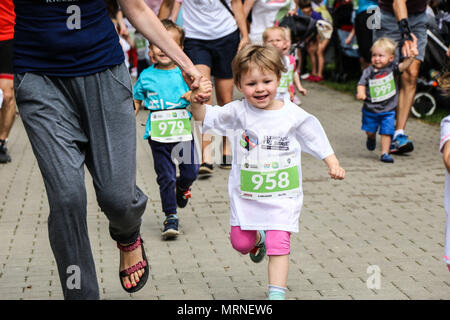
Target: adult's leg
[
  {"x": 109, "y": 122},
  {"x": 7, "y": 113},
  {"x": 52, "y": 123},
  {"x": 321, "y": 47},
  {"x": 407, "y": 91}
]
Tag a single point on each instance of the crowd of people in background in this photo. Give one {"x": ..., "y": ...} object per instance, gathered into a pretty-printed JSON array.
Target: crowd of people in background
[{"x": 177, "y": 52}]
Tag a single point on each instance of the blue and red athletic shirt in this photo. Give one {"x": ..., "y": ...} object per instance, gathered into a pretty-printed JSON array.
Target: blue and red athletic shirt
[{"x": 64, "y": 38}]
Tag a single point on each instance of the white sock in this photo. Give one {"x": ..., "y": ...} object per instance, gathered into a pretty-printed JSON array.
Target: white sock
[
  {"x": 397, "y": 132},
  {"x": 276, "y": 292}
]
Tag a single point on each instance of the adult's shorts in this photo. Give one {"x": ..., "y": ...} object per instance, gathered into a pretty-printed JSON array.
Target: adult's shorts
[
  {"x": 6, "y": 59},
  {"x": 389, "y": 28},
  {"x": 216, "y": 54}
]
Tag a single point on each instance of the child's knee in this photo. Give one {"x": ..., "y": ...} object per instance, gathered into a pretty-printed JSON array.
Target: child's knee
[
  {"x": 278, "y": 243},
  {"x": 242, "y": 240}
]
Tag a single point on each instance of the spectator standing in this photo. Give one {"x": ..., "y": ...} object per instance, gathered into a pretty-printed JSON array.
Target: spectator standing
[
  {"x": 363, "y": 28},
  {"x": 266, "y": 14}
]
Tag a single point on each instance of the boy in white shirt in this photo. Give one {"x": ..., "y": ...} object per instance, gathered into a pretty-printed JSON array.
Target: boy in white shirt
[{"x": 267, "y": 136}]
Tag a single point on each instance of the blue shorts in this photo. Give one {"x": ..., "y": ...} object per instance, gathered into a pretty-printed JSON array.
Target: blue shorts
[
  {"x": 384, "y": 120},
  {"x": 216, "y": 54}
]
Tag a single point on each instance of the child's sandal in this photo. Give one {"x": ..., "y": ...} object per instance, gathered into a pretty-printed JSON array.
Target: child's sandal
[{"x": 140, "y": 265}]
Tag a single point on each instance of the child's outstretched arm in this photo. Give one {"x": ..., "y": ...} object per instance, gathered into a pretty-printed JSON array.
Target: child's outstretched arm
[
  {"x": 334, "y": 169},
  {"x": 298, "y": 84},
  {"x": 197, "y": 107}
]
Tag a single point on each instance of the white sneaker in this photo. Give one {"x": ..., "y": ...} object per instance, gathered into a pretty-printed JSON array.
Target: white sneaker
[{"x": 304, "y": 76}]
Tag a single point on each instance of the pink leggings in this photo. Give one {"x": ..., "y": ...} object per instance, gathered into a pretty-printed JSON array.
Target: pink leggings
[{"x": 277, "y": 241}]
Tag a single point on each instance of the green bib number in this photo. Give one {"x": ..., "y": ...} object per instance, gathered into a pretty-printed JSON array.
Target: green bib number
[
  {"x": 170, "y": 126},
  {"x": 258, "y": 184},
  {"x": 382, "y": 89}
]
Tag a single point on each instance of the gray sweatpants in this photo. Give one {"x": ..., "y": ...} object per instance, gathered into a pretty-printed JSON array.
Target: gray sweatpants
[{"x": 72, "y": 122}]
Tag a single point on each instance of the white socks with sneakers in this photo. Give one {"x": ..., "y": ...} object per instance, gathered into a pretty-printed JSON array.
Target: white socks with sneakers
[{"x": 397, "y": 132}]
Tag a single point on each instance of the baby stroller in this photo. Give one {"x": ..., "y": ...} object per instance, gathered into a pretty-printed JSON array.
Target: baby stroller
[
  {"x": 428, "y": 94},
  {"x": 302, "y": 29}
]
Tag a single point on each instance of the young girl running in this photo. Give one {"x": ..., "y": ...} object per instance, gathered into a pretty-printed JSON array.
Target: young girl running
[{"x": 267, "y": 137}]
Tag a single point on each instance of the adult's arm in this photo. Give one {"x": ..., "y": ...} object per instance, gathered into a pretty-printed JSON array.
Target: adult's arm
[
  {"x": 248, "y": 5},
  {"x": 148, "y": 24},
  {"x": 165, "y": 9},
  {"x": 401, "y": 12},
  {"x": 239, "y": 15}
]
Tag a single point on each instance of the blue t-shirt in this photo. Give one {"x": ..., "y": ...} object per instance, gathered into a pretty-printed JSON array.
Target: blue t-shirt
[
  {"x": 363, "y": 5},
  {"x": 64, "y": 37},
  {"x": 160, "y": 90}
]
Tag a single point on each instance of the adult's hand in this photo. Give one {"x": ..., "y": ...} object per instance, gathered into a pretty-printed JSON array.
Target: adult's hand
[
  {"x": 193, "y": 77},
  {"x": 408, "y": 45},
  {"x": 244, "y": 41},
  {"x": 448, "y": 52}
]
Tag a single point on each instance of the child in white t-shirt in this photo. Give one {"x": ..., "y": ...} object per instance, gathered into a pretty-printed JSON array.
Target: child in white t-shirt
[
  {"x": 277, "y": 37},
  {"x": 445, "y": 150},
  {"x": 267, "y": 137}
]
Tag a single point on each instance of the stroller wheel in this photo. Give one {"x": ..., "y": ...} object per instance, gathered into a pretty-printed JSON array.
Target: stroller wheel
[{"x": 424, "y": 105}]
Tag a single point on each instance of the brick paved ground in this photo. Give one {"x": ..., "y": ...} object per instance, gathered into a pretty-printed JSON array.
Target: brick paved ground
[{"x": 385, "y": 215}]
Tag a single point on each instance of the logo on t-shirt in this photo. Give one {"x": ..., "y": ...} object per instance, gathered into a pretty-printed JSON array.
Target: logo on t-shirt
[{"x": 275, "y": 143}]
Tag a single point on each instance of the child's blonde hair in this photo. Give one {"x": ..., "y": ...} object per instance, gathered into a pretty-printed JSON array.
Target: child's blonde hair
[
  {"x": 386, "y": 44},
  {"x": 263, "y": 57},
  {"x": 265, "y": 34}
]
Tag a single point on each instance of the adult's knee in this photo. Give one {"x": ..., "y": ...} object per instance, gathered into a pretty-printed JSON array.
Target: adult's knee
[{"x": 114, "y": 202}]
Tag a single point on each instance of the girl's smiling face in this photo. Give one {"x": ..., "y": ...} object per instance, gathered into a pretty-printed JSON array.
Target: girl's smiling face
[{"x": 259, "y": 87}]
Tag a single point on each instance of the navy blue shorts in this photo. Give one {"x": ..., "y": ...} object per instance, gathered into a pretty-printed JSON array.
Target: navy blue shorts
[
  {"x": 384, "y": 120},
  {"x": 217, "y": 54}
]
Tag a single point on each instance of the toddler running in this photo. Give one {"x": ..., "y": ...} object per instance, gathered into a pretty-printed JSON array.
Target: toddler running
[
  {"x": 267, "y": 136},
  {"x": 377, "y": 88},
  {"x": 168, "y": 129},
  {"x": 278, "y": 38}
]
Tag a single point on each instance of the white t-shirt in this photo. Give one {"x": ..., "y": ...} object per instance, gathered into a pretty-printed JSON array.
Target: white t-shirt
[
  {"x": 207, "y": 19},
  {"x": 280, "y": 133},
  {"x": 445, "y": 136},
  {"x": 265, "y": 13},
  {"x": 287, "y": 78}
]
